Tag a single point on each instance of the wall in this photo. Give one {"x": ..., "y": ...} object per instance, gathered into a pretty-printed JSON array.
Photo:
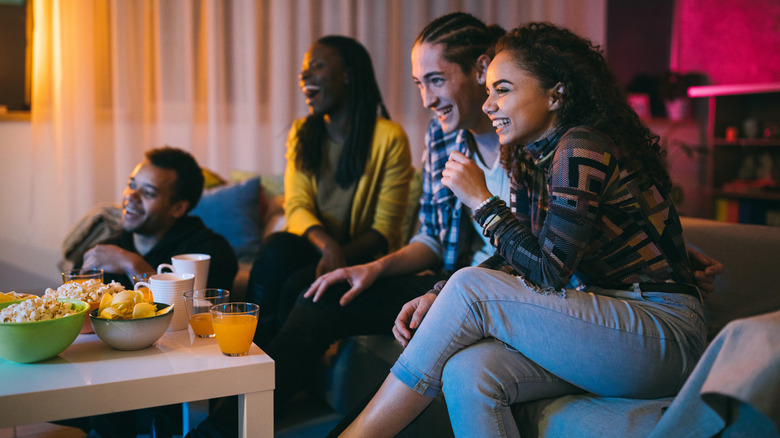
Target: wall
[
  {"x": 26, "y": 263},
  {"x": 41, "y": 205},
  {"x": 639, "y": 36},
  {"x": 733, "y": 41}
]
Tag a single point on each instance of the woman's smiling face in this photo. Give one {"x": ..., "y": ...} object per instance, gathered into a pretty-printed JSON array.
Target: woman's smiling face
[
  {"x": 522, "y": 111},
  {"x": 323, "y": 80}
]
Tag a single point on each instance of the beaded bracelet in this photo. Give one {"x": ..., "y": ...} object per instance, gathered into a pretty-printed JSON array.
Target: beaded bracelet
[{"x": 486, "y": 202}]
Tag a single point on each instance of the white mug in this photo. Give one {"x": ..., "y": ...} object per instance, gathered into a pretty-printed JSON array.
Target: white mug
[
  {"x": 169, "y": 288},
  {"x": 197, "y": 264}
]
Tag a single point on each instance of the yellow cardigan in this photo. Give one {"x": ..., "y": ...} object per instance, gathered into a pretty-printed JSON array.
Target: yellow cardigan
[{"x": 381, "y": 194}]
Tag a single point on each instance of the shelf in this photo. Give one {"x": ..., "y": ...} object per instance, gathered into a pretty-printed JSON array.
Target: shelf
[
  {"x": 760, "y": 142},
  {"x": 15, "y": 116},
  {"x": 726, "y": 90},
  {"x": 765, "y": 195}
]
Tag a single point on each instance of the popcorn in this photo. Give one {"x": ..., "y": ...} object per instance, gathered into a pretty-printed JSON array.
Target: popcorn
[
  {"x": 90, "y": 291},
  {"x": 36, "y": 309}
]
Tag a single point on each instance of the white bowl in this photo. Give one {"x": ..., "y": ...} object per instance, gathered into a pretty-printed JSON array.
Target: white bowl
[{"x": 132, "y": 334}]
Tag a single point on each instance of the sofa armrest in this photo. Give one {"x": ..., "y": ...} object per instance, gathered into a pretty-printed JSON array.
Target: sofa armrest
[{"x": 749, "y": 285}]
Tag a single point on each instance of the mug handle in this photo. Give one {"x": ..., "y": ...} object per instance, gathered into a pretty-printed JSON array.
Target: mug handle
[
  {"x": 141, "y": 284},
  {"x": 163, "y": 266}
]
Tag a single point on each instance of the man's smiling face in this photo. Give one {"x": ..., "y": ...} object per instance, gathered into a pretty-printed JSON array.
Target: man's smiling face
[
  {"x": 148, "y": 200},
  {"x": 455, "y": 97}
]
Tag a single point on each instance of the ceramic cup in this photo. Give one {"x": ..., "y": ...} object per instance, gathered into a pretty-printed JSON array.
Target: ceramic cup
[
  {"x": 169, "y": 288},
  {"x": 197, "y": 264}
]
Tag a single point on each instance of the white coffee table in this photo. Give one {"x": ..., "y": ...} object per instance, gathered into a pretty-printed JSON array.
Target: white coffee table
[{"x": 91, "y": 378}]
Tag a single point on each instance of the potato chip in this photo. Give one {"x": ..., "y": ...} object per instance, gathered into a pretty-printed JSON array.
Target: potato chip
[
  {"x": 105, "y": 302},
  {"x": 144, "y": 310},
  {"x": 110, "y": 313},
  {"x": 13, "y": 296},
  {"x": 124, "y": 301}
]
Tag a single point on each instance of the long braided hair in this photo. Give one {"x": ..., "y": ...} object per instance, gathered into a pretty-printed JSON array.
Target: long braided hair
[
  {"x": 364, "y": 103},
  {"x": 464, "y": 37}
]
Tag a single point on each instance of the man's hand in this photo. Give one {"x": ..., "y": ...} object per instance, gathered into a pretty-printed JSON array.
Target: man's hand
[
  {"x": 359, "y": 278},
  {"x": 411, "y": 316},
  {"x": 111, "y": 258},
  {"x": 705, "y": 269}
]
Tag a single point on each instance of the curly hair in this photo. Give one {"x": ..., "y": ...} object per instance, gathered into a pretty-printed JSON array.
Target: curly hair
[
  {"x": 189, "y": 176},
  {"x": 464, "y": 37},
  {"x": 364, "y": 101},
  {"x": 591, "y": 96}
]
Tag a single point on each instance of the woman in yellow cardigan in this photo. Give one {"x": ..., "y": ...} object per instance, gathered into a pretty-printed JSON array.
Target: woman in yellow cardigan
[{"x": 346, "y": 183}]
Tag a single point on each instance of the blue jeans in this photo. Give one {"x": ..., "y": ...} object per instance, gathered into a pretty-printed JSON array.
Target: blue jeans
[{"x": 607, "y": 342}]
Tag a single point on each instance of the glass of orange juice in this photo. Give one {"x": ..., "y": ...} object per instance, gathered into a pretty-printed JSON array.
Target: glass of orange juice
[
  {"x": 146, "y": 278},
  {"x": 197, "y": 303},
  {"x": 81, "y": 275},
  {"x": 234, "y": 326}
]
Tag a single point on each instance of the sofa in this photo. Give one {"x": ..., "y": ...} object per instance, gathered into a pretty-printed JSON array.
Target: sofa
[{"x": 356, "y": 366}]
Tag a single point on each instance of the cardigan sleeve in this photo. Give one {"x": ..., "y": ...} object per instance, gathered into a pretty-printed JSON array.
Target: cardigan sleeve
[
  {"x": 300, "y": 190},
  {"x": 394, "y": 177}
]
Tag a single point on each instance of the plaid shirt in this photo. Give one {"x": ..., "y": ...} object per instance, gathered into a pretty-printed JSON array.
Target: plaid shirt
[{"x": 440, "y": 210}]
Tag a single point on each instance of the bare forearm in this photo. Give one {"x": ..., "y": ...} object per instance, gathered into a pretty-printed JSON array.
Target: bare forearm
[
  {"x": 411, "y": 259},
  {"x": 320, "y": 239},
  {"x": 362, "y": 247}
]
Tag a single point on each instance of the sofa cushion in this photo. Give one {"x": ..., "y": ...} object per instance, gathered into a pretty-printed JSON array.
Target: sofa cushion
[
  {"x": 233, "y": 211},
  {"x": 586, "y": 416}
]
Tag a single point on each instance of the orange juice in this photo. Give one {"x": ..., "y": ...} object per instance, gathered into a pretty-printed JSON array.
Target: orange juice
[
  {"x": 201, "y": 325},
  {"x": 149, "y": 298},
  {"x": 78, "y": 280},
  {"x": 82, "y": 275},
  {"x": 235, "y": 333}
]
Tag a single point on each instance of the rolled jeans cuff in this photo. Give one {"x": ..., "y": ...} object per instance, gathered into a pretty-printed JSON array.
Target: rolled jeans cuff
[{"x": 414, "y": 378}]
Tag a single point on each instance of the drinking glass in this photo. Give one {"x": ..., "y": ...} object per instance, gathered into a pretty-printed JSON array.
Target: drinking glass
[
  {"x": 145, "y": 278},
  {"x": 81, "y": 275},
  {"x": 234, "y": 326},
  {"x": 197, "y": 303}
]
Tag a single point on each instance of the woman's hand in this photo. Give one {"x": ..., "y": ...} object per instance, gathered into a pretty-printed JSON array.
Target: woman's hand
[
  {"x": 332, "y": 258},
  {"x": 359, "y": 277},
  {"x": 332, "y": 254},
  {"x": 464, "y": 177},
  {"x": 705, "y": 269},
  {"x": 411, "y": 316}
]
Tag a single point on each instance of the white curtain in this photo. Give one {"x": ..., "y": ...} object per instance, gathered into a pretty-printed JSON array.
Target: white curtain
[{"x": 112, "y": 78}]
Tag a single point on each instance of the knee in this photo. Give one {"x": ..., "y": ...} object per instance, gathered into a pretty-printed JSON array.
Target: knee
[
  {"x": 465, "y": 282},
  {"x": 280, "y": 244},
  {"x": 468, "y": 377},
  {"x": 276, "y": 256}
]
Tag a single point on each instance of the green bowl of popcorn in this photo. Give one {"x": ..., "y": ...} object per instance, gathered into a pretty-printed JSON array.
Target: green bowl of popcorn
[{"x": 35, "y": 329}]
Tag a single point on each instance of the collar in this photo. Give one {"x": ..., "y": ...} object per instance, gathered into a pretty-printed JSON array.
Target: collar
[{"x": 542, "y": 150}]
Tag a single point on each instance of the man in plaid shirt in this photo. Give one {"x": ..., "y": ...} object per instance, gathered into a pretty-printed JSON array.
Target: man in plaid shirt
[{"x": 365, "y": 299}]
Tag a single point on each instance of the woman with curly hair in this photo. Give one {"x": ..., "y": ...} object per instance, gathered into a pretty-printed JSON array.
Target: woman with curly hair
[{"x": 589, "y": 201}]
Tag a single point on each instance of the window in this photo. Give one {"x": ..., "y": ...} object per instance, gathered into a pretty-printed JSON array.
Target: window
[{"x": 15, "y": 67}]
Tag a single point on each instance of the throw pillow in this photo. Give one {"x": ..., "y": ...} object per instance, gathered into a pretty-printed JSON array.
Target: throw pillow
[
  {"x": 211, "y": 179},
  {"x": 233, "y": 211}
]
